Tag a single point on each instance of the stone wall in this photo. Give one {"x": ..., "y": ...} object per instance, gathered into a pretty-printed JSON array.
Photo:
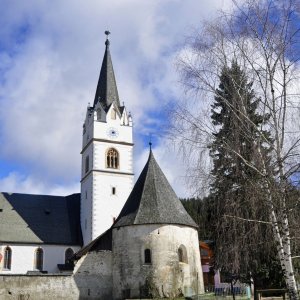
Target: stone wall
[
  {"x": 93, "y": 275},
  {"x": 165, "y": 276},
  {"x": 46, "y": 287},
  {"x": 91, "y": 280}
]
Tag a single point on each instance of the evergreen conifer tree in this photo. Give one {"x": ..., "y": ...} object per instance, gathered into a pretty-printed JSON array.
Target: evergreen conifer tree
[{"x": 243, "y": 239}]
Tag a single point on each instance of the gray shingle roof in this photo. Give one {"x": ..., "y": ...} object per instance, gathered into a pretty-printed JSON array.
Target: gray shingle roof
[
  {"x": 107, "y": 91},
  {"x": 102, "y": 242},
  {"x": 153, "y": 201},
  {"x": 26, "y": 218}
]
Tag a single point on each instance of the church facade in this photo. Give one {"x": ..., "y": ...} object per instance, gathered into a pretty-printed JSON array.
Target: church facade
[
  {"x": 123, "y": 240},
  {"x": 40, "y": 232}
]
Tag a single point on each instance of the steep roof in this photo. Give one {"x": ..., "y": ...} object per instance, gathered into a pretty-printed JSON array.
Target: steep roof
[
  {"x": 102, "y": 242},
  {"x": 26, "y": 218},
  {"x": 153, "y": 201},
  {"x": 107, "y": 91}
]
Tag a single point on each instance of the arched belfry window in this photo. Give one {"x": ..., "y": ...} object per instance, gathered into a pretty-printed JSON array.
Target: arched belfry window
[
  {"x": 182, "y": 254},
  {"x": 38, "y": 259},
  {"x": 112, "y": 159},
  {"x": 68, "y": 254},
  {"x": 147, "y": 256},
  {"x": 7, "y": 258}
]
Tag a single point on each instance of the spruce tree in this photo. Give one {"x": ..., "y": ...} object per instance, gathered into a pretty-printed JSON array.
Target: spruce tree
[{"x": 242, "y": 245}]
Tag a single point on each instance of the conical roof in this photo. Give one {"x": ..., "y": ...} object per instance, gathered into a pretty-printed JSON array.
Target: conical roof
[
  {"x": 153, "y": 201},
  {"x": 107, "y": 91}
]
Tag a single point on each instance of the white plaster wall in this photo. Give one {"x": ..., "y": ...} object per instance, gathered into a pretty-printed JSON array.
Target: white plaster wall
[
  {"x": 101, "y": 207},
  {"x": 101, "y": 131},
  {"x": 86, "y": 208},
  {"x": 98, "y": 129},
  {"x": 23, "y": 257},
  {"x": 107, "y": 206},
  {"x": 125, "y": 156},
  {"x": 87, "y": 152},
  {"x": 165, "y": 275},
  {"x": 121, "y": 123}
]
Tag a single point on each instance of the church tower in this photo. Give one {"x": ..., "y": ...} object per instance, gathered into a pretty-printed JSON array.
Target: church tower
[{"x": 107, "y": 146}]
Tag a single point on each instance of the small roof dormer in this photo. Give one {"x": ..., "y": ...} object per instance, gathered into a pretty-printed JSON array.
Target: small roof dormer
[{"x": 107, "y": 91}]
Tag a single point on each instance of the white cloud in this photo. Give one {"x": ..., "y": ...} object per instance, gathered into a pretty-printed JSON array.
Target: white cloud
[
  {"x": 16, "y": 182},
  {"x": 50, "y": 58}
]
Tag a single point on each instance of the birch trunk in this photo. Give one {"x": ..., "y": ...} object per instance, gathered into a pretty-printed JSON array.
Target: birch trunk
[
  {"x": 264, "y": 37},
  {"x": 284, "y": 253}
]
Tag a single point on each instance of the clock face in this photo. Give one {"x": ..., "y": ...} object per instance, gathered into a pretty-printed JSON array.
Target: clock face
[{"x": 112, "y": 132}]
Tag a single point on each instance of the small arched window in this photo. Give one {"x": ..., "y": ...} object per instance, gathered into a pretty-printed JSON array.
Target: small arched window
[
  {"x": 68, "y": 254},
  {"x": 182, "y": 254},
  {"x": 112, "y": 159},
  {"x": 39, "y": 258},
  {"x": 147, "y": 255},
  {"x": 7, "y": 258}
]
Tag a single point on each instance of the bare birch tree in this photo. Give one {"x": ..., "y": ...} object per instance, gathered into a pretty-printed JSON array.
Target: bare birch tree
[{"x": 263, "y": 37}]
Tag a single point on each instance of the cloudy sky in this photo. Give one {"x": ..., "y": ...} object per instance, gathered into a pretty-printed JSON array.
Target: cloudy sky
[{"x": 50, "y": 58}]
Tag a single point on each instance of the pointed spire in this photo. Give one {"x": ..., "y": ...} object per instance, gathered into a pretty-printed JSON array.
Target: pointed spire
[
  {"x": 107, "y": 91},
  {"x": 153, "y": 201}
]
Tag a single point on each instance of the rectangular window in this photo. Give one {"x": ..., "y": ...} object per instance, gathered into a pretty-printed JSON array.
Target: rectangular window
[
  {"x": 147, "y": 255},
  {"x": 7, "y": 258},
  {"x": 113, "y": 190},
  {"x": 87, "y": 164},
  {"x": 85, "y": 194}
]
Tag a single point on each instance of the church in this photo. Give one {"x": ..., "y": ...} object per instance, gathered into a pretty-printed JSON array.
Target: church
[{"x": 115, "y": 239}]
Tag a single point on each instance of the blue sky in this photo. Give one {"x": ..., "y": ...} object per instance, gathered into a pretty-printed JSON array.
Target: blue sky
[{"x": 50, "y": 58}]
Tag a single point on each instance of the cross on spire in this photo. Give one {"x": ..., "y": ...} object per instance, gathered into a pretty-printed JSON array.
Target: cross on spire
[
  {"x": 107, "y": 32},
  {"x": 150, "y": 142}
]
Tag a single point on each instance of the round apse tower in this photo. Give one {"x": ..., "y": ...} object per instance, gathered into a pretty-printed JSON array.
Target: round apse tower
[{"x": 155, "y": 242}]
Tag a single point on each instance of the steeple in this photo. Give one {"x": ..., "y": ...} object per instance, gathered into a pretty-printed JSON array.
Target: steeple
[
  {"x": 107, "y": 91},
  {"x": 153, "y": 201}
]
